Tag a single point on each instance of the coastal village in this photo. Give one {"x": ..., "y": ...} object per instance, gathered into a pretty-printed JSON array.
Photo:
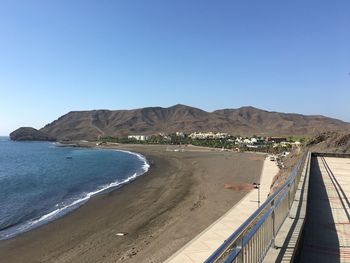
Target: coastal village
[
  {"x": 224, "y": 141},
  {"x": 277, "y": 148}
]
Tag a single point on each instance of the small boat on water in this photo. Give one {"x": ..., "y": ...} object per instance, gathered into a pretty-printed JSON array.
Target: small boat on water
[{"x": 69, "y": 157}]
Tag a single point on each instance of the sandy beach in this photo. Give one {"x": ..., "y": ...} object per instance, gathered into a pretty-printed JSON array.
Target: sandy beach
[{"x": 180, "y": 195}]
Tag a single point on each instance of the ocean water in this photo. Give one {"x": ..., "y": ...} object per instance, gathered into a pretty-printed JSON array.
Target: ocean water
[{"x": 40, "y": 181}]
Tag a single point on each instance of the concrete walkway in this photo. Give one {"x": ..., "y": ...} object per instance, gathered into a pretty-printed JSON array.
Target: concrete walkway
[
  {"x": 202, "y": 246},
  {"x": 326, "y": 236}
]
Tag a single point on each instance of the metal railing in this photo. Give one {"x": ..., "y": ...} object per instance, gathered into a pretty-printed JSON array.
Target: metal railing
[{"x": 251, "y": 241}]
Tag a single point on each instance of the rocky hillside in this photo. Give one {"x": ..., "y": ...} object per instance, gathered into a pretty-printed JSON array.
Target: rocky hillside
[
  {"x": 147, "y": 121},
  {"x": 245, "y": 120},
  {"x": 338, "y": 142},
  {"x": 333, "y": 142},
  {"x": 30, "y": 134}
]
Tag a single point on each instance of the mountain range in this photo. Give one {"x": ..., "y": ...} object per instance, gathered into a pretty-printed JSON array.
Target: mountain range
[{"x": 89, "y": 125}]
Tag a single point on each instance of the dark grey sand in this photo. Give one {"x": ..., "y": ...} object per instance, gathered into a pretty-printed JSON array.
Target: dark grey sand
[{"x": 181, "y": 195}]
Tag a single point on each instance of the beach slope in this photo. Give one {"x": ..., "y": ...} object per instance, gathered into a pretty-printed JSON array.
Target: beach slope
[{"x": 181, "y": 195}]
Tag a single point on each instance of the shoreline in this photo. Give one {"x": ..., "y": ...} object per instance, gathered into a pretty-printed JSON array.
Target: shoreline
[
  {"x": 154, "y": 210},
  {"x": 32, "y": 224}
]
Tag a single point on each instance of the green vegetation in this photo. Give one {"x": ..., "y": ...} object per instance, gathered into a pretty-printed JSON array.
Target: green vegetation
[
  {"x": 213, "y": 143},
  {"x": 118, "y": 140},
  {"x": 226, "y": 143},
  {"x": 301, "y": 139}
]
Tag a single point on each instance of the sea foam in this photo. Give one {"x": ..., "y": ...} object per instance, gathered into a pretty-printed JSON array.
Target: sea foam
[{"x": 26, "y": 226}]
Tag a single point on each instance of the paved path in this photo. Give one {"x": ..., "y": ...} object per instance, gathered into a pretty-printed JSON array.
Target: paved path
[
  {"x": 202, "y": 246},
  {"x": 326, "y": 236}
]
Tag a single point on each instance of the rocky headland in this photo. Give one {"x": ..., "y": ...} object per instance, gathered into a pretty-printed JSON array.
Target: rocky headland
[{"x": 30, "y": 134}]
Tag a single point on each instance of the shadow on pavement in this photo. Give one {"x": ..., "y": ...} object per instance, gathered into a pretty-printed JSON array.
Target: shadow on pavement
[{"x": 320, "y": 241}]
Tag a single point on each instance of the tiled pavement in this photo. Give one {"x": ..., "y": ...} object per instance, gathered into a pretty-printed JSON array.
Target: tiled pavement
[{"x": 326, "y": 236}]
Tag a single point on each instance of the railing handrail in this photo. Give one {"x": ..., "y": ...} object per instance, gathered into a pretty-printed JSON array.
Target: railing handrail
[{"x": 235, "y": 235}]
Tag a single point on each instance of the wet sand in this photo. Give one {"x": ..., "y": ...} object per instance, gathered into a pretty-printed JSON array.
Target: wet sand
[{"x": 180, "y": 195}]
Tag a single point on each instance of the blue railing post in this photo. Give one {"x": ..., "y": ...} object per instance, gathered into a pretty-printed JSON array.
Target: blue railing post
[{"x": 273, "y": 216}]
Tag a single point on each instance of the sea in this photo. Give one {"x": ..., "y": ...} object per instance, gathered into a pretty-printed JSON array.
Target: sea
[{"x": 41, "y": 181}]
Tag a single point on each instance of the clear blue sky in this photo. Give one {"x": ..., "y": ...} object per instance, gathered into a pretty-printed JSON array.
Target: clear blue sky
[{"x": 58, "y": 56}]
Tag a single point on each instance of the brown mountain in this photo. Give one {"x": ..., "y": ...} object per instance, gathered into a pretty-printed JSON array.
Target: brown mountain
[{"x": 244, "y": 121}]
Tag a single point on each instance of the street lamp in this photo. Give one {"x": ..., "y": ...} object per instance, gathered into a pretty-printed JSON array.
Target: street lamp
[{"x": 257, "y": 186}]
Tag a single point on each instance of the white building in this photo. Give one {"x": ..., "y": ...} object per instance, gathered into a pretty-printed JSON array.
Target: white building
[
  {"x": 239, "y": 140},
  {"x": 180, "y": 134},
  {"x": 208, "y": 135},
  {"x": 247, "y": 141},
  {"x": 138, "y": 137},
  {"x": 253, "y": 140},
  {"x": 221, "y": 135}
]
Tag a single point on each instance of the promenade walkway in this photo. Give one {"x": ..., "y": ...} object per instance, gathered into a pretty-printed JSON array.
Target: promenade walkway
[
  {"x": 202, "y": 246},
  {"x": 326, "y": 235}
]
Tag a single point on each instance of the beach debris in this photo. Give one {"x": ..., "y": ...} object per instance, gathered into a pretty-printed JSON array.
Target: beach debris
[
  {"x": 133, "y": 252},
  {"x": 120, "y": 234},
  {"x": 196, "y": 205},
  {"x": 238, "y": 186}
]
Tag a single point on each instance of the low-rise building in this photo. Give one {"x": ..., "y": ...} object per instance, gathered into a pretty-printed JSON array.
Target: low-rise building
[
  {"x": 180, "y": 134},
  {"x": 246, "y": 141},
  {"x": 239, "y": 140},
  {"x": 221, "y": 135},
  {"x": 276, "y": 139},
  {"x": 208, "y": 135},
  {"x": 138, "y": 137},
  {"x": 253, "y": 140}
]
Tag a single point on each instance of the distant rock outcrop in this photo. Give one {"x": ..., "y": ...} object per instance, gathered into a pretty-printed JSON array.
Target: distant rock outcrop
[{"x": 30, "y": 134}]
